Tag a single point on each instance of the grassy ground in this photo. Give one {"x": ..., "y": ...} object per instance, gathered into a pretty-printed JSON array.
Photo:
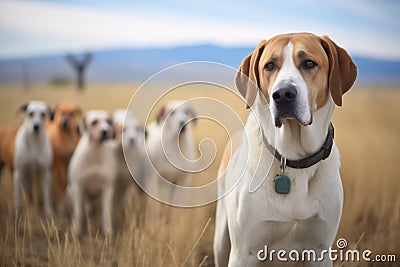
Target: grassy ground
[{"x": 367, "y": 131}]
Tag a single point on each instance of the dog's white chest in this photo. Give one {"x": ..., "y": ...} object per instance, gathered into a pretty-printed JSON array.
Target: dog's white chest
[{"x": 32, "y": 150}]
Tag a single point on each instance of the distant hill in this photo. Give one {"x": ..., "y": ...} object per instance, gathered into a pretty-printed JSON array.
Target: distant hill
[{"x": 139, "y": 64}]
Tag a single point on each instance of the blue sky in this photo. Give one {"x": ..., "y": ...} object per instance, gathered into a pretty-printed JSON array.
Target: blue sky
[{"x": 364, "y": 27}]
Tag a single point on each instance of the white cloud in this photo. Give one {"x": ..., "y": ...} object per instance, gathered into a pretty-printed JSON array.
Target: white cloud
[
  {"x": 81, "y": 28},
  {"x": 375, "y": 11},
  {"x": 42, "y": 27}
]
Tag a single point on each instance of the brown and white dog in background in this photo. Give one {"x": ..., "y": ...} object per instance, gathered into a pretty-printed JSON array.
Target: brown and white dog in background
[
  {"x": 63, "y": 132},
  {"x": 7, "y": 148},
  {"x": 292, "y": 82}
]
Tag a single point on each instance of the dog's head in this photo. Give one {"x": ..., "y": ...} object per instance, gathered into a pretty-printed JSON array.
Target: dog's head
[
  {"x": 67, "y": 116},
  {"x": 36, "y": 114},
  {"x": 128, "y": 128},
  {"x": 98, "y": 124},
  {"x": 295, "y": 73},
  {"x": 176, "y": 115}
]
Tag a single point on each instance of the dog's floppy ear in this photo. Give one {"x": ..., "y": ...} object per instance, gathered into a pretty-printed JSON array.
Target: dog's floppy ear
[
  {"x": 342, "y": 70},
  {"x": 110, "y": 121},
  {"x": 51, "y": 113},
  {"x": 161, "y": 114},
  {"x": 248, "y": 74},
  {"x": 22, "y": 108},
  {"x": 82, "y": 127},
  {"x": 192, "y": 114}
]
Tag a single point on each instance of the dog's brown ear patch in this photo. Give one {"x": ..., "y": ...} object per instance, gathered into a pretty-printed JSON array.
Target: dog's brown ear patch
[
  {"x": 22, "y": 108},
  {"x": 342, "y": 70},
  {"x": 247, "y": 78}
]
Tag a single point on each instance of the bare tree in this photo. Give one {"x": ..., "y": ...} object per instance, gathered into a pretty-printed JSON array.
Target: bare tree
[{"x": 79, "y": 65}]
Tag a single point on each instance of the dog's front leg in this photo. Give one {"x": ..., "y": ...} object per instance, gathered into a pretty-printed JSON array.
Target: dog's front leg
[
  {"x": 222, "y": 244},
  {"x": 46, "y": 189},
  {"x": 60, "y": 171},
  {"x": 107, "y": 202},
  {"x": 17, "y": 183},
  {"x": 76, "y": 195}
]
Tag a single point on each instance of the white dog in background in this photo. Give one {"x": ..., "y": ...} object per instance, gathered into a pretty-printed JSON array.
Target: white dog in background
[
  {"x": 170, "y": 146},
  {"x": 33, "y": 154},
  {"x": 130, "y": 138},
  {"x": 93, "y": 168},
  {"x": 130, "y": 135}
]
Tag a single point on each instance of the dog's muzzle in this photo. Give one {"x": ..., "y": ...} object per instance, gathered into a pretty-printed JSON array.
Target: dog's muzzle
[
  {"x": 36, "y": 128},
  {"x": 285, "y": 100},
  {"x": 65, "y": 125},
  {"x": 132, "y": 141},
  {"x": 104, "y": 135}
]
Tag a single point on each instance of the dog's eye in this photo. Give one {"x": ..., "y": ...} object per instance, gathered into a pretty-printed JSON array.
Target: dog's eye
[
  {"x": 42, "y": 115},
  {"x": 31, "y": 114},
  {"x": 309, "y": 64},
  {"x": 270, "y": 66},
  {"x": 109, "y": 121},
  {"x": 95, "y": 122}
]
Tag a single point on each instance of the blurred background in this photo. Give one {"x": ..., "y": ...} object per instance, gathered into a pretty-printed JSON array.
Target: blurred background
[
  {"x": 130, "y": 40},
  {"x": 97, "y": 53}
]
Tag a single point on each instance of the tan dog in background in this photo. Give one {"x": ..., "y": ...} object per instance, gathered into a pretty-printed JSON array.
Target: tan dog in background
[
  {"x": 63, "y": 132},
  {"x": 7, "y": 148}
]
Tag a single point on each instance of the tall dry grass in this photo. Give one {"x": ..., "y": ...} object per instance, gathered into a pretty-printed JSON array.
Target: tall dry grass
[{"x": 367, "y": 131}]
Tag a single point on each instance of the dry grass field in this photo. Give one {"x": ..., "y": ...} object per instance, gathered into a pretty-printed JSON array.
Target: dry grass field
[{"x": 367, "y": 133}]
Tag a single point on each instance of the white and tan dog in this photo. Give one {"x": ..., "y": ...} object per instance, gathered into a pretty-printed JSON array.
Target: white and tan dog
[
  {"x": 170, "y": 146},
  {"x": 33, "y": 154},
  {"x": 292, "y": 201},
  {"x": 92, "y": 170}
]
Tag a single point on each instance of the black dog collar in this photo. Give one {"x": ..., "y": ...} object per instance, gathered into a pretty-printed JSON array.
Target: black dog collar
[{"x": 314, "y": 158}]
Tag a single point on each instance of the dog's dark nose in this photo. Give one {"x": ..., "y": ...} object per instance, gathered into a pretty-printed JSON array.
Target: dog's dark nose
[
  {"x": 36, "y": 127},
  {"x": 65, "y": 124},
  {"x": 285, "y": 95},
  {"x": 104, "y": 134},
  {"x": 131, "y": 141}
]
